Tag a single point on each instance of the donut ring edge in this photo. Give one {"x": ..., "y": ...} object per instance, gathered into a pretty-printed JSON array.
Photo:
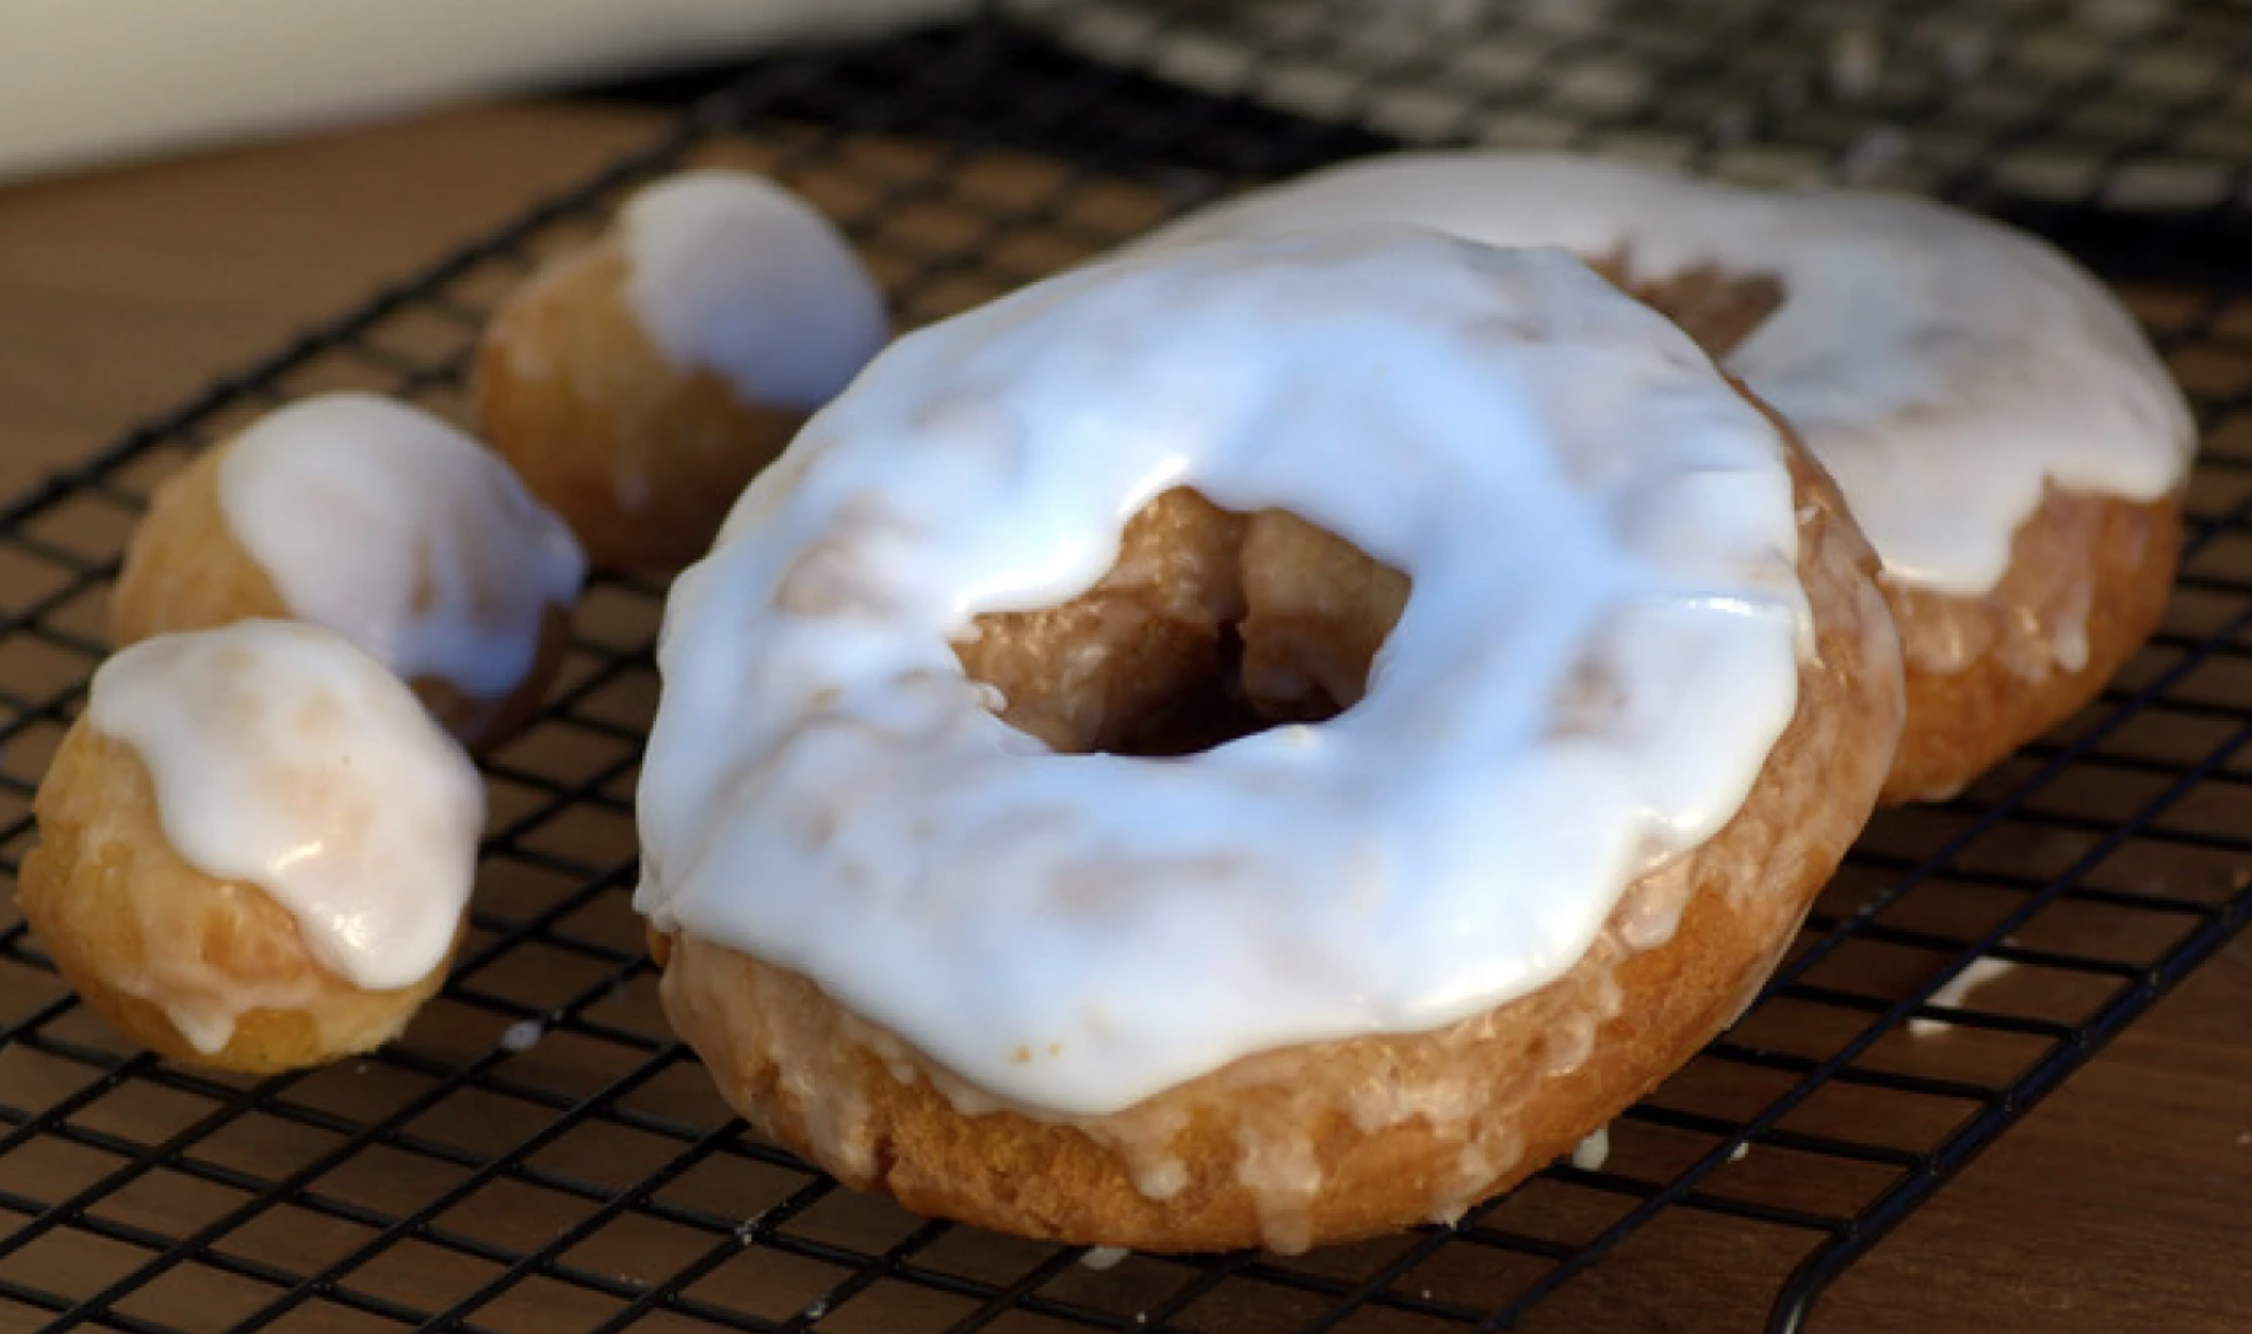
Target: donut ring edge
[
  {"x": 857, "y": 1101},
  {"x": 2121, "y": 556}
]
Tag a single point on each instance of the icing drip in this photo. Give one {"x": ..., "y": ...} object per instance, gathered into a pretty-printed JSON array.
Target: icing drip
[
  {"x": 401, "y": 534},
  {"x": 205, "y": 1005},
  {"x": 1283, "y": 1175},
  {"x": 2036, "y": 622},
  {"x": 284, "y": 757},
  {"x": 735, "y": 275},
  {"x": 1486, "y": 1155},
  {"x": 826, "y": 790},
  {"x": 1594, "y": 1151}
]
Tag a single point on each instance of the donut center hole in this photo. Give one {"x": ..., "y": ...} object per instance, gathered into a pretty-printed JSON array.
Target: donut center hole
[
  {"x": 1211, "y": 625},
  {"x": 1716, "y": 308}
]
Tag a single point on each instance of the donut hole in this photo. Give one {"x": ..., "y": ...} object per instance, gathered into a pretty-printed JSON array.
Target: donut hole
[
  {"x": 1716, "y": 308},
  {"x": 1210, "y": 626}
]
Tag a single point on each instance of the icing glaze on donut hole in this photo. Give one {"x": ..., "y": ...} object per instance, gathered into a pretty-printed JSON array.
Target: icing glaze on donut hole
[
  {"x": 1140, "y": 769},
  {"x": 640, "y": 381},
  {"x": 255, "y": 848},
  {"x": 382, "y": 523}
]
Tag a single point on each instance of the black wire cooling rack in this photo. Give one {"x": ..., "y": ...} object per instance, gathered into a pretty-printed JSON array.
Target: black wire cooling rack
[{"x": 540, "y": 1154}]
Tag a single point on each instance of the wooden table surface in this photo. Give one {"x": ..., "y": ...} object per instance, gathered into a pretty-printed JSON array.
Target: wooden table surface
[{"x": 2125, "y": 1202}]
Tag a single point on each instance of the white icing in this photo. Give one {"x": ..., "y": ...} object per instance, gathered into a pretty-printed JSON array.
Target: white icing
[
  {"x": 1941, "y": 366},
  {"x": 1488, "y": 1151},
  {"x": 1591, "y": 1153},
  {"x": 401, "y": 534},
  {"x": 204, "y": 1004},
  {"x": 735, "y": 275},
  {"x": 1952, "y": 993},
  {"x": 1283, "y": 1175},
  {"x": 284, "y": 757},
  {"x": 1562, "y": 475}
]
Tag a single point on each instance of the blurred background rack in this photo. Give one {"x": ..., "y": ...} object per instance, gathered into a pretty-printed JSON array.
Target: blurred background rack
[{"x": 539, "y": 1154}]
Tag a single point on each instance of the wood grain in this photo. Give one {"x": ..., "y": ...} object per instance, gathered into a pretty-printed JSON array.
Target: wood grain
[{"x": 121, "y": 292}]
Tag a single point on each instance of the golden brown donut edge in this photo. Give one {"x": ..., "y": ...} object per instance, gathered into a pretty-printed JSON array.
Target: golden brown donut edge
[
  {"x": 1983, "y": 673},
  {"x": 1338, "y": 1140},
  {"x": 1983, "y": 678}
]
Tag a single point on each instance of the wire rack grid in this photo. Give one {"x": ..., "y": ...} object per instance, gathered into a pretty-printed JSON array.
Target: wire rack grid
[{"x": 539, "y": 1154}]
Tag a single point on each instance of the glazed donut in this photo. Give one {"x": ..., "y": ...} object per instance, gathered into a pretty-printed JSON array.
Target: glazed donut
[
  {"x": 2001, "y": 429},
  {"x": 383, "y": 524},
  {"x": 255, "y": 848},
  {"x": 639, "y": 382},
  {"x": 971, "y": 882}
]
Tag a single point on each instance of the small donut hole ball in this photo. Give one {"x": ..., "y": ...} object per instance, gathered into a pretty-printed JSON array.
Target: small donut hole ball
[
  {"x": 639, "y": 383},
  {"x": 212, "y": 969},
  {"x": 382, "y": 523}
]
